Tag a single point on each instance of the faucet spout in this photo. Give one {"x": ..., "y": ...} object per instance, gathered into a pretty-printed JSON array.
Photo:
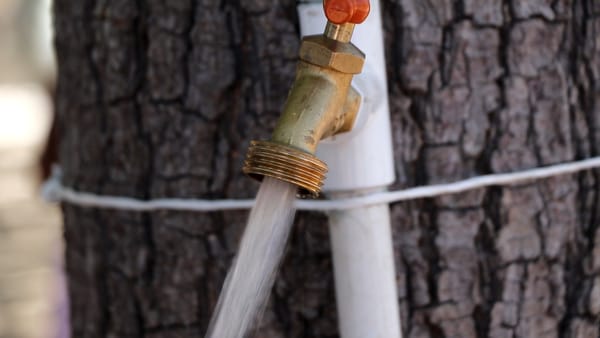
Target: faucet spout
[
  {"x": 319, "y": 106},
  {"x": 321, "y": 103}
]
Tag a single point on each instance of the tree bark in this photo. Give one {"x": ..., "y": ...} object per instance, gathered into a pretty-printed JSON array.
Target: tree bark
[{"x": 161, "y": 98}]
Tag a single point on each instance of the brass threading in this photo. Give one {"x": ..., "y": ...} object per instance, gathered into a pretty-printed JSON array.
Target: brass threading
[{"x": 287, "y": 164}]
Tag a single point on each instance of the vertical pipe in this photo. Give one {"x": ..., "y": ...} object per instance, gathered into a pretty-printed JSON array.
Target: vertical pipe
[{"x": 365, "y": 281}]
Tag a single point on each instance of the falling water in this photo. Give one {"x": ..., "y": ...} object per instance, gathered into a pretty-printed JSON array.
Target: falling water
[{"x": 251, "y": 278}]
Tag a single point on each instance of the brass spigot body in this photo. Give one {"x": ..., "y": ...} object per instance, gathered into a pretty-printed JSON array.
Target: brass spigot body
[{"x": 321, "y": 103}]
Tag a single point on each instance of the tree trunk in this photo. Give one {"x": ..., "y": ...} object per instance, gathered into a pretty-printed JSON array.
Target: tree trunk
[{"x": 161, "y": 98}]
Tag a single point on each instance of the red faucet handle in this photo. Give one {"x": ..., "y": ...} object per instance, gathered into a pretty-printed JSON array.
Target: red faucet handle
[{"x": 346, "y": 11}]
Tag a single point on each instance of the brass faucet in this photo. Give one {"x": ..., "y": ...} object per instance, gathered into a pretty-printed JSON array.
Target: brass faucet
[{"x": 321, "y": 103}]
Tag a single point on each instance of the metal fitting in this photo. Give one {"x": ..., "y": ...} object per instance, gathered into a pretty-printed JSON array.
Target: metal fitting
[
  {"x": 321, "y": 103},
  {"x": 341, "y": 33},
  {"x": 325, "y": 52},
  {"x": 287, "y": 164}
]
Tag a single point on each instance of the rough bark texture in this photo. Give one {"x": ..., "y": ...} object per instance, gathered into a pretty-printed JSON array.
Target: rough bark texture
[{"x": 160, "y": 99}]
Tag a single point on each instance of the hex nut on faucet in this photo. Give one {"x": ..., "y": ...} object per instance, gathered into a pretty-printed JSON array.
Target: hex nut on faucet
[{"x": 322, "y": 51}]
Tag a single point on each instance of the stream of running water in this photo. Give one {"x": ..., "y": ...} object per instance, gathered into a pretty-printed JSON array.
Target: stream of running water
[{"x": 249, "y": 282}]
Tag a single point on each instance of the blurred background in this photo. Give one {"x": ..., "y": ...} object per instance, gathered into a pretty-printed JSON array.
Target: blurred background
[{"x": 32, "y": 297}]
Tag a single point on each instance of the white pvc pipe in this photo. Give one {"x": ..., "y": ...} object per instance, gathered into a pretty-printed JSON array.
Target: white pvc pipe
[
  {"x": 360, "y": 162},
  {"x": 365, "y": 281}
]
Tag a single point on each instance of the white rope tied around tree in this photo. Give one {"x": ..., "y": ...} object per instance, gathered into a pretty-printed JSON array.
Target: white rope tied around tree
[{"x": 54, "y": 191}]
